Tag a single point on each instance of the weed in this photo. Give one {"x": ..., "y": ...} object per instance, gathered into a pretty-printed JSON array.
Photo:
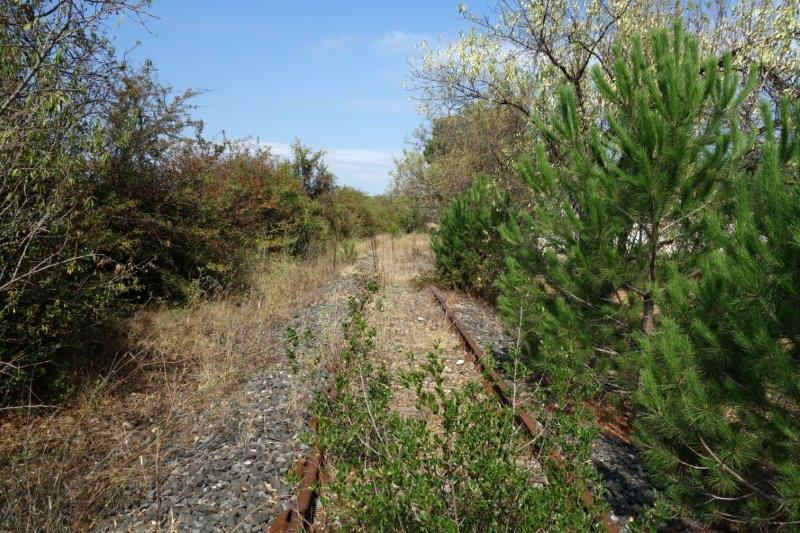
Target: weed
[
  {"x": 348, "y": 251},
  {"x": 455, "y": 465},
  {"x": 373, "y": 286}
]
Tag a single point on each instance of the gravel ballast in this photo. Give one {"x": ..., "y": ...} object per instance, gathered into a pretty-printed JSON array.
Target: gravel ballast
[{"x": 233, "y": 475}]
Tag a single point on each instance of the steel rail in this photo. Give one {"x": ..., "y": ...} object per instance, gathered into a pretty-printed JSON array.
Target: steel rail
[{"x": 493, "y": 382}]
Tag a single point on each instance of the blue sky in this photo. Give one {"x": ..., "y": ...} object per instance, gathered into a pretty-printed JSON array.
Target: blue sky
[{"x": 332, "y": 74}]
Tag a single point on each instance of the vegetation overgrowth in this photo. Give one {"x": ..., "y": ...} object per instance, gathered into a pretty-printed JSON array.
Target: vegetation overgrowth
[
  {"x": 654, "y": 265},
  {"x": 627, "y": 195},
  {"x": 113, "y": 200},
  {"x": 456, "y": 464},
  {"x": 67, "y": 469}
]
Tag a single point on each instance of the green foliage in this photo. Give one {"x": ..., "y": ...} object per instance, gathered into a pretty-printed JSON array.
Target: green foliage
[
  {"x": 468, "y": 247},
  {"x": 719, "y": 381},
  {"x": 477, "y": 139},
  {"x": 107, "y": 205},
  {"x": 407, "y": 215},
  {"x": 655, "y": 260},
  {"x": 353, "y": 214},
  {"x": 590, "y": 254},
  {"x": 348, "y": 251},
  {"x": 56, "y": 293},
  {"x": 394, "y": 472},
  {"x": 310, "y": 169}
]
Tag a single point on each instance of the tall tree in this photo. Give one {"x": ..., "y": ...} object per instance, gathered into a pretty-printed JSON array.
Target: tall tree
[
  {"x": 310, "y": 168},
  {"x": 521, "y": 55}
]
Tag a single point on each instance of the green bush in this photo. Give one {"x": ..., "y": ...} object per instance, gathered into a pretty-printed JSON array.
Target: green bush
[
  {"x": 469, "y": 249},
  {"x": 143, "y": 215},
  {"x": 354, "y": 214}
]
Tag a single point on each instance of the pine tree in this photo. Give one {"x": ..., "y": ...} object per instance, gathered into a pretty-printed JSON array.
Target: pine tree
[
  {"x": 468, "y": 247},
  {"x": 720, "y": 382},
  {"x": 655, "y": 257},
  {"x": 621, "y": 199}
]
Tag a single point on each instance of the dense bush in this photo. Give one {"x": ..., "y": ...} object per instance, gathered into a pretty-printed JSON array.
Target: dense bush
[
  {"x": 351, "y": 213},
  {"x": 144, "y": 215},
  {"x": 57, "y": 78},
  {"x": 468, "y": 246}
]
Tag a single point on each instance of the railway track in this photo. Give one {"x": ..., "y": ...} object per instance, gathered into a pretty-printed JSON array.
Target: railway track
[
  {"x": 309, "y": 468},
  {"x": 497, "y": 385}
]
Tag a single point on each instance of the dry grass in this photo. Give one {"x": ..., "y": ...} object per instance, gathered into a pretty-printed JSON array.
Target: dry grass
[{"x": 63, "y": 470}]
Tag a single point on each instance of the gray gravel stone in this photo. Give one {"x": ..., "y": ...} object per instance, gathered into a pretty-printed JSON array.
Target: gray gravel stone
[{"x": 232, "y": 477}]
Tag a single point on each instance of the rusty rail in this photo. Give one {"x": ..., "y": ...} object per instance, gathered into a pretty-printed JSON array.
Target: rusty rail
[
  {"x": 292, "y": 520},
  {"x": 496, "y": 384}
]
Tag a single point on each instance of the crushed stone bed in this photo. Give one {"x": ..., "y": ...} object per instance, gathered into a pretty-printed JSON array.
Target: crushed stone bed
[{"x": 232, "y": 477}]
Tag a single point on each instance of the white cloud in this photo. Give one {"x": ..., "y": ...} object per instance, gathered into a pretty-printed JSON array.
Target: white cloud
[
  {"x": 367, "y": 170},
  {"x": 400, "y": 41}
]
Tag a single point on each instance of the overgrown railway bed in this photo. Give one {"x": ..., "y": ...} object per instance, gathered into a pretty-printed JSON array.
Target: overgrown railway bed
[{"x": 627, "y": 489}]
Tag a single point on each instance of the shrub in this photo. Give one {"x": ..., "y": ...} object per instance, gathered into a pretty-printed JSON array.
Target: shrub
[
  {"x": 469, "y": 250},
  {"x": 142, "y": 215},
  {"x": 353, "y": 214}
]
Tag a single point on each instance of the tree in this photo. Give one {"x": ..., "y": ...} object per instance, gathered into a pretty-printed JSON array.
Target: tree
[
  {"x": 519, "y": 57},
  {"x": 57, "y": 68},
  {"x": 478, "y": 139},
  {"x": 720, "y": 380},
  {"x": 627, "y": 197},
  {"x": 311, "y": 169},
  {"x": 657, "y": 260},
  {"x": 469, "y": 248},
  {"x": 412, "y": 179}
]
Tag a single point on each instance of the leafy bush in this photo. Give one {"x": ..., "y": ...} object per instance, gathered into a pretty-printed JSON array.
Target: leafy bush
[
  {"x": 353, "y": 214},
  {"x": 469, "y": 249},
  {"x": 109, "y": 206}
]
